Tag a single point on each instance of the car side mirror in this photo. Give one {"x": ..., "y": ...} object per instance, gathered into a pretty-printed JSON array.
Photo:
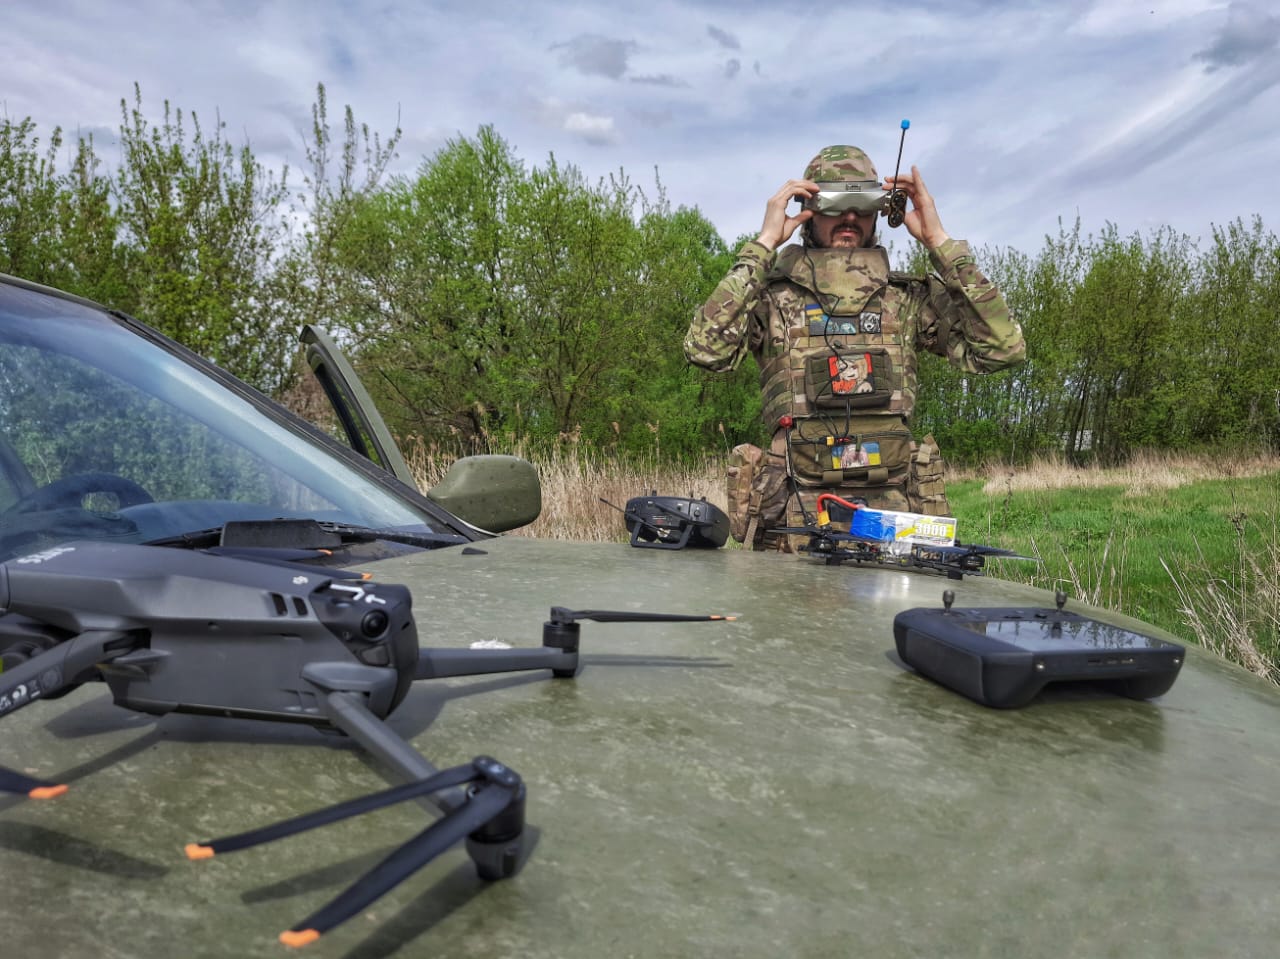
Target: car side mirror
[{"x": 492, "y": 492}]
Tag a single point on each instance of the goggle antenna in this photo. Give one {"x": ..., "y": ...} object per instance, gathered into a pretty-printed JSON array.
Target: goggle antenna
[{"x": 898, "y": 198}]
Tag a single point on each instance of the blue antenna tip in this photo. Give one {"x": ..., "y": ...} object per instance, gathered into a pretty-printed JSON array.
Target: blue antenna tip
[{"x": 906, "y": 124}]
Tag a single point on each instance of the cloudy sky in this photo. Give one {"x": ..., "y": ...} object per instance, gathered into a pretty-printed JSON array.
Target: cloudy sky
[{"x": 1137, "y": 112}]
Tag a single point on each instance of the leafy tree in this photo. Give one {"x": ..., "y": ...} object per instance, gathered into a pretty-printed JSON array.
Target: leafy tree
[
  {"x": 1228, "y": 366},
  {"x": 200, "y": 221},
  {"x": 494, "y": 300},
  {"x": 418, "y": 274},
  {"x": 29, "y": 191}
]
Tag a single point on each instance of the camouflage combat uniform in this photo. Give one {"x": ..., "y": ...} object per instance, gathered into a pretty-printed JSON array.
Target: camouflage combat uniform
[{"x": 835, "y": 334}]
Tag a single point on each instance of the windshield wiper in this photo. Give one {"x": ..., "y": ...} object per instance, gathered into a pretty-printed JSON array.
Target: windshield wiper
[{"x": 301, "y": 534}]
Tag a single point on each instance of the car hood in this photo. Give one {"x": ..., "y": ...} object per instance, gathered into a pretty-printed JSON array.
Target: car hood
[{"x": 780, "y": 785}]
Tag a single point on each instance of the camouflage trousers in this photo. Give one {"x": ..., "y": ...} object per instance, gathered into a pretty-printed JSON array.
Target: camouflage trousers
[{"x": 761, "y": 496}]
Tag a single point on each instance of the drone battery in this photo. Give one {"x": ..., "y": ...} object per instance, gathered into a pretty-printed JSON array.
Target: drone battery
[
  {"x": 914, "y": 529},
  {"x": 1004, "y": 657},
  {"x": 674, "y": 522}
]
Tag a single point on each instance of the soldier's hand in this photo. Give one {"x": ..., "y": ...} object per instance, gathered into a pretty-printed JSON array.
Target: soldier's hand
[
  {"x": 921, "y": 219},
  {"x": 778, "y": 224}
]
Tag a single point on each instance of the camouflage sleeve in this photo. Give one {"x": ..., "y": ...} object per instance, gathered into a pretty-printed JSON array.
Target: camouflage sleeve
[
  {"x": 718, "y": 336},
  {"x": 965, "y": 317}
]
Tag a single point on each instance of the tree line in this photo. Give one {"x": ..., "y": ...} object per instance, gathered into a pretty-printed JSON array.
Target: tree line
[{"x": 488, "y": 302}]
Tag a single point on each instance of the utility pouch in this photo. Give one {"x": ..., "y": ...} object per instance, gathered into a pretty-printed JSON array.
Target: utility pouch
[
  {"x": 744, "y": 464},
  {"x": 926, "y": 492},
  {"x": 850, "y": 450},
  {"x": 849, "y": 377}
]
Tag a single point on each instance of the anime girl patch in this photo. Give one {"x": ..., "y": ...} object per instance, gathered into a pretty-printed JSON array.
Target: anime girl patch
[{"x": 851, "y": 374}]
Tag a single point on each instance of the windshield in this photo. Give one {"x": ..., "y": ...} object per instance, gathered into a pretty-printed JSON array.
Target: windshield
[{"x": 105, "y": 435}]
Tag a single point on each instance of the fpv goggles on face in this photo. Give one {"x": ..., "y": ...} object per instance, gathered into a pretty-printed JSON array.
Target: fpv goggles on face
[{"x": 860, "y": 196}]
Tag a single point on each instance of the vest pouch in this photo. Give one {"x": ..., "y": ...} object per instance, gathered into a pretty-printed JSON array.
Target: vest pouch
[
  {"x": 745, "y": 462},
  {"x": 850, "y": 451},
  {"x": 850, "y": 378}
]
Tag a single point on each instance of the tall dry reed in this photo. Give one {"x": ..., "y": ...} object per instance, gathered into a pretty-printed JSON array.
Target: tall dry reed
[
  {"x": 1238, "y": 615},
  {"x": 580, "y": 482}
]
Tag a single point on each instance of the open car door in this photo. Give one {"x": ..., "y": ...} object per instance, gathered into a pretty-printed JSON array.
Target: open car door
[
  {"x": 366, "y": 432},
  {"x": 492, "y": 493}
]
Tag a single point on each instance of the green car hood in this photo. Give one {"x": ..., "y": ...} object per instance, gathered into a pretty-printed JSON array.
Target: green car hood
[{"x": 776, "y": 786}]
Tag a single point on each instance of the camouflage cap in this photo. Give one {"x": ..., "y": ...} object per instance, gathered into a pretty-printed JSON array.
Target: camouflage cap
[{"x": 837, "y": 163}]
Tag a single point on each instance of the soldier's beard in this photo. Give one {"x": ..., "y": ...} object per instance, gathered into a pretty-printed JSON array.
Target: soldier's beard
[{"x": 872, "y": 239}]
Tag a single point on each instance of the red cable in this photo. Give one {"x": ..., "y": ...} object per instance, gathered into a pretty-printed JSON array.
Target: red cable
[{"x": 822, "y": 497}]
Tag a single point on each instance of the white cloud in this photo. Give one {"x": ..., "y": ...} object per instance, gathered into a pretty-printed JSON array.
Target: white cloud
[
  {"x": 1020, "y": 114},
  {"x": 593, "y": 129}
]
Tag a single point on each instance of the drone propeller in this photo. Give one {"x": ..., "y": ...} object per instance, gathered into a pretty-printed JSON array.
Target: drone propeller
[
  {"x": 16, "y": 782},
  {"x": 799, "y": 530},
  {"x": 493, "y": 811},
  {"x": 563, "y": 617},
  {"x": 974, "y": 549}
]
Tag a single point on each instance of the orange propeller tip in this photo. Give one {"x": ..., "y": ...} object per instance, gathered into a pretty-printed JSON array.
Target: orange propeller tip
[
  {"x": 196, "y": 851},
  {"x": 47, "y": 792},
  {"x": 298, "y": 939}
]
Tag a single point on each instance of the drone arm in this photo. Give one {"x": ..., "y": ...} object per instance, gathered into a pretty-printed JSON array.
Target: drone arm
[
  {"x": 558, "y": 652},
  {"x": 442, "y": 663},
  {"x": 48, "y": 673},
  {"x": 45, "y": 675},
  {"x": 348, "y": 712}
]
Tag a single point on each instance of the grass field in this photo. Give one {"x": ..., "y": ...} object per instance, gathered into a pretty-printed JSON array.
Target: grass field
[{"x": 1191, "y": 544}]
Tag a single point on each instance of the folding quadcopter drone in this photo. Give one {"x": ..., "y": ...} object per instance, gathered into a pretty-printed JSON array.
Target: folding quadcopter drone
[{"x": 256, "y": 633}]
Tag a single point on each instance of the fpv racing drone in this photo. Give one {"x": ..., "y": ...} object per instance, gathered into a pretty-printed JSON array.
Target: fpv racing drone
[
  {"x": 214, "y": 632},
  {"x": 875, "y": 538}
]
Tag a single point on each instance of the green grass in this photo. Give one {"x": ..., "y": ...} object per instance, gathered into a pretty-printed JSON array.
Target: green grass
[
  {"x": 1132, "y": 550},
  {"x": 1190, "y": 543}
]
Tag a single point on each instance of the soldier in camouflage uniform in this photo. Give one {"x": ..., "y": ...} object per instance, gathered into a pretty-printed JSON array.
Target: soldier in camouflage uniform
[{"x": 835, "y": 333}]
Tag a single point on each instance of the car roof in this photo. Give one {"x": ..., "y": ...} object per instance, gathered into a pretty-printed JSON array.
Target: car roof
[{"x": 777, "y": 785}]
